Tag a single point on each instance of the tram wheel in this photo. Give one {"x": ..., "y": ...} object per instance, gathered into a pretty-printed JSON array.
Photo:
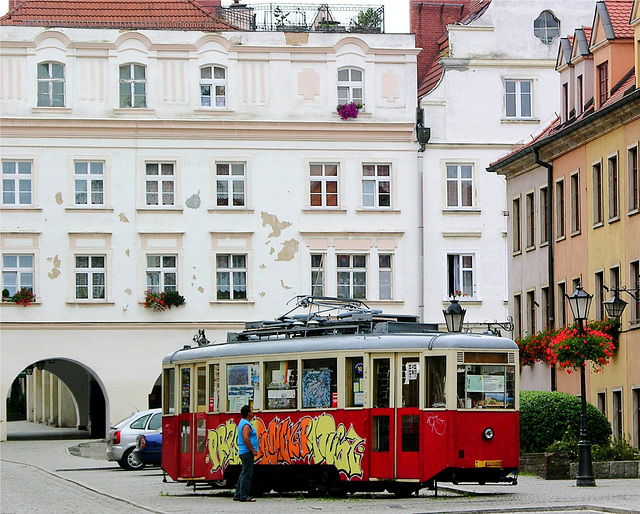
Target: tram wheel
[{"x": 402, "y": 490}]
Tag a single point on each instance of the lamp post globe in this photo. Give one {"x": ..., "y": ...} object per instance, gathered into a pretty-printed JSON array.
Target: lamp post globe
[
  {"x": 454, "y": 316},
  {"x": 615, "y": 306}
]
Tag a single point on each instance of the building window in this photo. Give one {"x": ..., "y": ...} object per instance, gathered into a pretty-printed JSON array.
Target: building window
[
  {"x": 213, "y": 87},
  {"x": 531, "y": 312},
  {"x": 350, "y": 86},
  {"x": 385, "y": 275},
  {"x": 597, "y": 193},
  {"x": 632, "y": 173},
  {"x": 560, "y": 213},
  {"x": 50, "y": 84},
  {"x": 17, "y": 273},
  {"x": 565, "y": 101},
  {"x": 517, "y": 315},
  {"x": 352, "y": 276},
  {"x": 517, "y": 226},
  {"x": 460, "y": 275},
  {"x": 614, "y": 194},
  {"x": 603, "y": 83},
  {"x": 89, "y": 182},
  {"x": 17, "y": 183},
  {"x": 580, "y": 93},
  {"x": 546, "y": 27},
  {"x": 162, "y": 273},
  {"x": 323, "y": 185},
  {"x": 160, "y": 183},
  {"x": 544, "y": 220},
  {"x": 459, "y": 185},
  {"x": 90, "y": 277},
  {"x": 518, "y": 99},
  {"x": 531, "y": 220},
  {"x": 602, "y": 402},
  {"x": 599, "y": 296},
  {"x": 575, "y": 203},
  {"x": 616, "y": 407},
  {"x": 634, "y": 283},
  {"x": 376, "y": 185},
  {"x": 231, "y": 277},
  {"x": 614, "y": 278},
  {"x": 230, "y": 184},
  {"x": 546, "y": 305},
  {"x": 562, "y": 304},
  {"x": 317, "y": 274},
  {"x": 133, "y": 86}
]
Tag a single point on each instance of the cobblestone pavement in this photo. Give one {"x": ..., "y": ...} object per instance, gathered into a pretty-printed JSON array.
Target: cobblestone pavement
[{"x": 43, "y": 476}]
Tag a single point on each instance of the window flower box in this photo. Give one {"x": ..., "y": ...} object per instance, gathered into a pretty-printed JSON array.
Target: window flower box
[
  {"x": 23, "y": 297},
  {"x": 162, "y": 301},
  {"x": 349, "y": 110}
]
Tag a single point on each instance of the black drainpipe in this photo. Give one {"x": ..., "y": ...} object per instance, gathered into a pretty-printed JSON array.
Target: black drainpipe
[{"x": 549, "y": 215}]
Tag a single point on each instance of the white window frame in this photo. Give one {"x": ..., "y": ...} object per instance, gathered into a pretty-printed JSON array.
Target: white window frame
[
  {"x": 351, "y": 272},
  {"x": 324, "y": 179},
  {"x": 49, "y": 82},
  {"x": 16, "y": 179},
  {"x": 575, "y": 207},
  {"x": 459, "y": 181},
  {"x": 230, "y": 180},
  {"x": 385, "y": 276},
  {"x": 598, "y": 193},
  {"x": 458, "y": 260},
  {"x": 633, "y": 178},
  {"x": 160, "y": 182},
  {"x": 372, "y": 199},
  {"x": 93, "y": 273},
  {"x": 92, "y": 175},
  {"x": 560, "y": 209},
  {"x": 318, "y": 268},
  {"x": 217, "y": 98},
  {"x": 231, "y": 271},
  {"x": 164, "y": 270},
  {"x": 613, "y": 187},
  {"x": 349, "y": 88},
  {"x": 518, "y": 95},
  {"x": 530, "y": 219},
  {"x": 131, "y": 81},
  {"x": 19, "y": 270}
]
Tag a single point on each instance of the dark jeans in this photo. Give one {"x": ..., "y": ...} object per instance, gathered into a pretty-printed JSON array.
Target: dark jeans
[{"x": 244, "y": 481}]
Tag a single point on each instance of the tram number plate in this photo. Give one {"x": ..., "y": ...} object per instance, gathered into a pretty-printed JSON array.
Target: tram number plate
[{"x": 488, "y": 464}]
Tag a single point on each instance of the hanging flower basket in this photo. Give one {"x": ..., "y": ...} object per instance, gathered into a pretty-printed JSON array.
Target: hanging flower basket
[
  {"x": 349, "y": 110},
  {"x": 571, "y": 350},
  {"x": 162, "y": 301},
  {"x": 533, "y": 348}
]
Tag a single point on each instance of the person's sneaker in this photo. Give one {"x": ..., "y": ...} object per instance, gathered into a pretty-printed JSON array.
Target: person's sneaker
[
  {"x": 248, "y": 500},
  {"x": 236, "y": 499}
]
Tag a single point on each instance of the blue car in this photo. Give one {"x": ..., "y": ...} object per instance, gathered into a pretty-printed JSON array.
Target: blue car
[{"x": 149, "y": 449}]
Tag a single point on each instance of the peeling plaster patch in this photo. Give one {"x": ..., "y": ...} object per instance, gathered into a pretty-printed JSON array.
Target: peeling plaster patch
[
  {"x": 55, "y": 271},
  {"x": 261, "y": 293},
  {"x": 283, "y": 284},
  {"x": 296, "y": 38},
  {"x": 123, "y": 218},
  {"x": 193, "y": 202},
  {"x": 272, "y": 251},
  {"x": 276, "y": 226},
  {"x": 268, "y": 241},
  {"x": 59, "y": 198},
  {"x": 262, "y": 266},
  {"x": 128, "y": 291},
  {"x": 193, "y": 277},
  {"x": 126, "y": 252},
  {"x": 200, "y": 289},
  {"x": 289, "y": 249}
]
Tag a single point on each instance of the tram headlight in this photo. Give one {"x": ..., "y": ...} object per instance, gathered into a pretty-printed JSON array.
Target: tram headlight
[{"x": 487, "y": 433}]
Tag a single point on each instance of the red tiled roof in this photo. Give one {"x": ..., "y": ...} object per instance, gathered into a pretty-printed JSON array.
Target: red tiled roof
[
  {"x": 620, "y": 12},
  {"x": 547, "y": 131},
  {"x": 587, "y": 33},
  {"x": 110, "y": 14}
]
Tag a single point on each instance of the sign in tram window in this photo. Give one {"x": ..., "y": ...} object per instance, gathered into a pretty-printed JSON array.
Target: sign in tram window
[
  {"x": 185, "y": 389},
  {"x": 169, "y": 385},
  {"x": 436, "y": 371},
  {"x": 214, "y": 387},
  {"x": 243, "y": 384},
  {"x": 281, "y": 385},
  {"x": 201, "y": 374},
  {"x": 319, "y": 384},
  {"x": 381, "y": 383},
  {"x": 354, "y": 387},
  {"x": 410, "y": 383},
  {"x": 486, "y": 386}
]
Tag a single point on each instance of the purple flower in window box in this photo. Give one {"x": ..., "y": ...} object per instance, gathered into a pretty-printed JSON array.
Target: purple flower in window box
[{"x": 349, "y": 110}]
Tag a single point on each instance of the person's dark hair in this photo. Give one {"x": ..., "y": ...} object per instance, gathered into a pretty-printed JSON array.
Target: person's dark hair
[{"x": 244, "y": 412}]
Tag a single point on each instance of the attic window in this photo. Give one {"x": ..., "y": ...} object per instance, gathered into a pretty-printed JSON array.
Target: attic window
[{"x": 546, "y": 27}]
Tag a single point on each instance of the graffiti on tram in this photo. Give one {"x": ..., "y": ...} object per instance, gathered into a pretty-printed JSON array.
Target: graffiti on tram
[{"x": 315, "y": 440}]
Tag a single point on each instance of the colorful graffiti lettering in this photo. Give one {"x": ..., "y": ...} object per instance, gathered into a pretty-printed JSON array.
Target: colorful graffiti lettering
[{"x": 312, "y": 440}]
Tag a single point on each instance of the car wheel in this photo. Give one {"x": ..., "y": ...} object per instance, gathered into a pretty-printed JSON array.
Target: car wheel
[{"x": 128, "y": 461}]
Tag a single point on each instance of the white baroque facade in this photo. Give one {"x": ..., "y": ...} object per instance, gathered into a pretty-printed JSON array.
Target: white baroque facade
[{"x": 213, "y": 164}]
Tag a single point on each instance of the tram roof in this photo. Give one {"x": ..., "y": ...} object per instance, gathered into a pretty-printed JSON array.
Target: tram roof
[{"x": 342, "y": 342}]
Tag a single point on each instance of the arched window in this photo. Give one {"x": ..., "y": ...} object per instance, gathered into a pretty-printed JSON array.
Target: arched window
[
  {"x": 546, "y": 27},
  {"x": 213, "y": 87},
  {"x": 50, "y": 84},
  {"x": 133, "y": 86},
  {"x": 350, "y": 81}
]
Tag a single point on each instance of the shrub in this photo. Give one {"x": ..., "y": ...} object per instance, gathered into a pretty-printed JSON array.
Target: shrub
[
  {"x": 618, "y": 449},
  {"x": 545, "y": 417}
]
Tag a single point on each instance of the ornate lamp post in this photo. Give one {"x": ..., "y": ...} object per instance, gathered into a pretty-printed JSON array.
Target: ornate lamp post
[
  {"x": 454, "y": 316},
  {"x": 580, "y": 301}
]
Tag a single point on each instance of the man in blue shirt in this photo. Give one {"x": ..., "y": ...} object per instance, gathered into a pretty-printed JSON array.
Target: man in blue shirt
[{"x": 248, "y": 450}]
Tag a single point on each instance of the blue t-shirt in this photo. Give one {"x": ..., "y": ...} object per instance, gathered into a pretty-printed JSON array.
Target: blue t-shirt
[{"x": 253, "y": 437}]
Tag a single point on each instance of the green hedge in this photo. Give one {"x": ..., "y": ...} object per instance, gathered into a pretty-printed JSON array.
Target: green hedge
[{"x": 546, "y": 416}]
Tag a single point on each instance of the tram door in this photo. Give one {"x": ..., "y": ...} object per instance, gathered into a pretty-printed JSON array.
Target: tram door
[
  {"x": 407, "y": 416},
  {"x": 382, "y": 448},
  {"x": 193, "y": 421}
]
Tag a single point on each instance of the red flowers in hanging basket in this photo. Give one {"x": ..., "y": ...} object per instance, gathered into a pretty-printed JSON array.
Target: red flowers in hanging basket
[{"x": 570, "y": 349}]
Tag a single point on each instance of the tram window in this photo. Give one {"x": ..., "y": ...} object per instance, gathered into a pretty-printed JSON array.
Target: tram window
[
  {"x": 410, "y": 382},
  {"x": 380, "y": 438},
  {"x": 411, "y": 433},
  {"x": 319, "y": 383},
  {"x": 201, "y": 373},
  {"x": 243, "y": 384},
  {"x": 185, "y": 436},
  {"x": 201, "y": 440},
  {"x": 281, "y": 385},
  {"x": 169, "y": 386},
  {"x": 436, "y": 371},
  {"x": 185, "y": 389},
  {"x": 485, "y": 357},
  {"x": 354, "y": 373},
  {"x": 381, "y": 383},
  {"x": 486, "y": 386},
  {"x": 214, "y": 387}
]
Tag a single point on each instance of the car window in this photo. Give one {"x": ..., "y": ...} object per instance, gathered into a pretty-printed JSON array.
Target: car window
[
  {"x": 140, "y": 422},
  {"x": 156, "y": 422}
]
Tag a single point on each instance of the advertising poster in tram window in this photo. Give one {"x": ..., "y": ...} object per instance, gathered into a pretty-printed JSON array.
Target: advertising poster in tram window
[{"x": 316, "y": 388}]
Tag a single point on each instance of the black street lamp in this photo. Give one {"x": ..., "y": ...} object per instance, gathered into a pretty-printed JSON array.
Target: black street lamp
[
  {"x": 615, "y": 306},
  {"x": 454, "y": 316},
  {"x": 580, "y": 301}
]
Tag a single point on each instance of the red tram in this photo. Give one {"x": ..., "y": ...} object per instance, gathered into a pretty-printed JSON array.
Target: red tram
[{"x": 361, "y": 401}]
